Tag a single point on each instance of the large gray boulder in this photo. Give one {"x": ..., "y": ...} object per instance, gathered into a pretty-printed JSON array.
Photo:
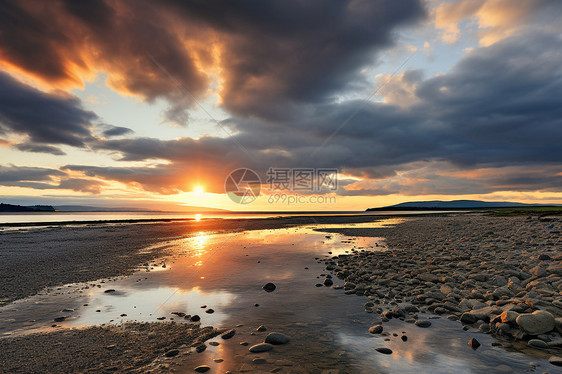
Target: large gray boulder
[{"x": 538, "y": 322}]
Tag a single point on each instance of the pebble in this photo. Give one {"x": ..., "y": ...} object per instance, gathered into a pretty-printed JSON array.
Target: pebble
[
  {"x": 262, "y": 328},
  {"x": 422, "y": 323},
  {"x": 228, "y": 334},
  {"x": 172, "y": 353},
  {"x": 474, "y": 343},
  {"x": 276, "y": 338},
  {"x": 210, "y": 311},
  {"x": 269, "y": 287},
  {"x": 202, "y": 369},
  {"x": 555, "y": 360},
  {"x": 261, "y": 347},
  {"x": 259, "y": 361},
  {"x": 376, "y": 329},
  {"x": 384, "y": 350}
]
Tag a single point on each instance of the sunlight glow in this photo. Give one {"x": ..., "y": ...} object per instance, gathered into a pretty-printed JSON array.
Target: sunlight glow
[
  {"x": 198, "y": 217},
  {"x": 198, "y": 190}
]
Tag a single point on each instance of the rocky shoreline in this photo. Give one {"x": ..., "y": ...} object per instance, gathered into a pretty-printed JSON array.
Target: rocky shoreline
[{"x": 501, "y": 275}]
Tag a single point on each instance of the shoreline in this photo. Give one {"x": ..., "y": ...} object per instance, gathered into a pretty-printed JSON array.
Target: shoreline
[{"x": 499, "y": 275}]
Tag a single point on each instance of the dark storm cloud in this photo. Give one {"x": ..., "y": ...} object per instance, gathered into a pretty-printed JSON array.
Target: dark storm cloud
[
  {"x": 45, "y": 118},
  {"x": 39, "y": 148},
  {"x": 498, "y": 106},
  {"x": 117, "y": 131},
  {"x": 273, "y": 56},
  {"x": 45, "y": 179}
]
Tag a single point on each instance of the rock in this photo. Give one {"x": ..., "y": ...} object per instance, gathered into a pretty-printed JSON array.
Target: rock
[
  {"x": 276, "y": 338},
  {"x": 262, "y": 328},
  {"x": 111, "y": 290},
  {"x": 200, "y": 347},
  {"x": 328, "y": 282},
  {"x": 537, "y": 343},
  {"x": 538, "y": 322},
  {"x": 478, "y": 277},
  {"x": 261, "y": 347},
  {"x": 210, "y": 311},
  {"x": 60, "y": 319},
  {"x": 422, "y": 323},
  {"x": 376, "y": 329},
  {"x": 269, "y": 287},
  {"x": 509, "y": 317},
  {"x": 555, "y": 360},
  {"x": 172, "y": 353},
  {"x": 474, "y": 343},
  {"x": 195, "y": 318},
  {"x": 468, "y": 318},
  {"x": 384, "y": 350},
  {"x": 544, "y": 257},
  {"x": 202, "y": 369},
  {"x": 349, "y": 286},
  {"x": 259, "y": 361},
  {"x": 228, "y": 334},
  {"x": 404, "y": 338}
]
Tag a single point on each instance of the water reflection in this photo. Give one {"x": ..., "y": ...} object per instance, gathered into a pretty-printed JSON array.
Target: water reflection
[{"x": 329, "y": 330}]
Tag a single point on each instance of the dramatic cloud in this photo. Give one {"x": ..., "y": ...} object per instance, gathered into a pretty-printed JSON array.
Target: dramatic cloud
[
  {"x": 268, "y": 56},
  {"x": 45, "y": 179},
  {"x": 38, "y": 148},
  {"x": 489, "y": 111},
  {"x": 496, "y": 19},
  {"x": 45, "y": 118},
  {"x": 117, "y": 131}
]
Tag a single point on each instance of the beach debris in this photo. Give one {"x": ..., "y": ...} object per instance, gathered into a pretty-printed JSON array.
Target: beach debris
[
  {"x": 261, "y": 347},
  {"x": 269, "y": 287},
  {"x": 277, "y": 338}
]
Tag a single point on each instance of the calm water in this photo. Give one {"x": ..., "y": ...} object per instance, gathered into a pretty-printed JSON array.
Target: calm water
[
  {"x": 48, "y": 217},
  {"x": 329, "y": 330}
]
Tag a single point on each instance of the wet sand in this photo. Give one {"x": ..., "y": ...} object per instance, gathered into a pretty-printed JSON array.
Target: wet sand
[{"x": 328, "y": 327}]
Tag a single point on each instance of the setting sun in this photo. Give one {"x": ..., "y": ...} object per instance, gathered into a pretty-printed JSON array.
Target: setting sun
[{"x": 198, "y": 190}]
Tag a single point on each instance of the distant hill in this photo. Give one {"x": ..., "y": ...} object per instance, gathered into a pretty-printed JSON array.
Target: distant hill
[
  {"x": 9, "y": 208},
  {"x": 455, "y": 204}
]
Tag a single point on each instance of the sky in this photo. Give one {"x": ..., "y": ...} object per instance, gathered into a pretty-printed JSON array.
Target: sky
[{"x": 154, "y": 104}]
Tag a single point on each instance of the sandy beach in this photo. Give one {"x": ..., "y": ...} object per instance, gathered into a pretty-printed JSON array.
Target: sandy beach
[{"x": 496, "y": 277}]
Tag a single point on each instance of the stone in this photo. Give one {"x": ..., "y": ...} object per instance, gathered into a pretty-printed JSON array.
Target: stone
[
  {"x": 474, "y": 343},
  {"x": 328, "y": 282},
  {"x": 277, "y": 338},
  {"x": 538, "y": 322},
  {"x": 228, "y": 334},
  {"x": 509, "y": 317},
  {"x": 261, "y": 347},
  {"x": 172, "y": 353},
  {"x": 537, "y": 343},
  {"x": 384, "y": 350},
  {"x": 422, "y": 323},
  {"x": 468, "y": 318},
  {"x": 202, "y": 369},
  {"x": 376, "y": 329},
  {"x": 269, "y": 287},
  {"x": 555, "y": 360},
  {"x": 262, "y": 328},
  {"x": 195, "y": 318}
]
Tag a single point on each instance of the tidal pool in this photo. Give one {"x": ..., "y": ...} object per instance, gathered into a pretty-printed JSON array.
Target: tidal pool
[{"x": 226, "y": 272}]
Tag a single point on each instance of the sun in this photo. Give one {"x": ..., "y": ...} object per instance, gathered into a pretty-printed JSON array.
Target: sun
[{"x": 198, "y": 190}]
